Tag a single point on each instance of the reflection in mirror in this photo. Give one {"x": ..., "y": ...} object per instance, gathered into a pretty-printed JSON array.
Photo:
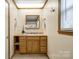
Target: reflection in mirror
[{"x": 32, "y": 22}]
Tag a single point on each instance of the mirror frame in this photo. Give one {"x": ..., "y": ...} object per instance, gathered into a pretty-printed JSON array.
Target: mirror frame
[{"x": 59, "y": 21}]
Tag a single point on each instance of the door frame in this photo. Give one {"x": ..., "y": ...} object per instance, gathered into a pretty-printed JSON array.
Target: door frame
[{"x": 8, "y": 29}]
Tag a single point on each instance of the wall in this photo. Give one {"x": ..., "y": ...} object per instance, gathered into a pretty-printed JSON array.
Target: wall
[
  {"x": 13, "y": 15},
  {"x": 59, "y": 46},
  {"x": 22, "y": 18}
]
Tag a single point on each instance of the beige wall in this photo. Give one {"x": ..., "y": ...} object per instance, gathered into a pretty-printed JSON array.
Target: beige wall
[
  {"x": 59, "y": 46},
  {"x": 13, "y": 15},
  {"x": 22, "y": 18}
]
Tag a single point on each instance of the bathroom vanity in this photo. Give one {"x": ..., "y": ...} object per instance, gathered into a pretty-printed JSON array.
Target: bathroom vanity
[{"x": 28, "y": 44}]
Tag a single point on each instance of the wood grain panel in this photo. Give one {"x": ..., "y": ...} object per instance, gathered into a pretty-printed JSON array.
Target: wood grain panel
[
  {"x": 35, "y": 47},
  {"x": 32, "y": 44},
  {"x": 29, "y": 45},
  {"x": 22, "y": 46},
  {"x": 43, "y": 50}
]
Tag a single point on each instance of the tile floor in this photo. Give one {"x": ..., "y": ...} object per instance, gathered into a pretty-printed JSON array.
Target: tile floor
[{"x": 30, "y": 56}]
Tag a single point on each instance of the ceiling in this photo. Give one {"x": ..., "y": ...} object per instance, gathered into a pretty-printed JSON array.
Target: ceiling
[{"x": 30, "y": 3}]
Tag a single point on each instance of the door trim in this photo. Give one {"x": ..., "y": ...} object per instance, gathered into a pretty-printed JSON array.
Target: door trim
[{"x": 8, "y": 29}]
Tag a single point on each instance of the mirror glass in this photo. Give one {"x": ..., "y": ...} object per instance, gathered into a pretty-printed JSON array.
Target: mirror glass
[{"x": 32, "y": 22}]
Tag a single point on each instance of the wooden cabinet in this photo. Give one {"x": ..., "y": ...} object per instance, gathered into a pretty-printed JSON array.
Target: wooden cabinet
[{"x": 32, "y": 44}]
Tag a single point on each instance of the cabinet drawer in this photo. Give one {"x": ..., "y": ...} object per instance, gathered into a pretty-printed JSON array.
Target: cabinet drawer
[
  {"x": 43, "y": 37},
  {"x": 43, "y": 41},
  {"x": 42, "y": 44},
  {"x": 43, "y": 50}
]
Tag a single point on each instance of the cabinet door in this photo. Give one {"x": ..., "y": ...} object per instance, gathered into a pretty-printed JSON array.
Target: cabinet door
[
  {"x": 35, "y": 48},
  {"x": 29, "y": 45},
  {"x": 22, "y": 46}
]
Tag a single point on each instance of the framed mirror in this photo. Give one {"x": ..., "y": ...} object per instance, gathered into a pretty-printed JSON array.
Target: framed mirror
[
  {"x": 32, "y": 22},
  {"x": 65, "y": 25}
]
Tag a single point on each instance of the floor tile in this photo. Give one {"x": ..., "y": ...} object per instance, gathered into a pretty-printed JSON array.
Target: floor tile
[{"x": 30, "y": 56}]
